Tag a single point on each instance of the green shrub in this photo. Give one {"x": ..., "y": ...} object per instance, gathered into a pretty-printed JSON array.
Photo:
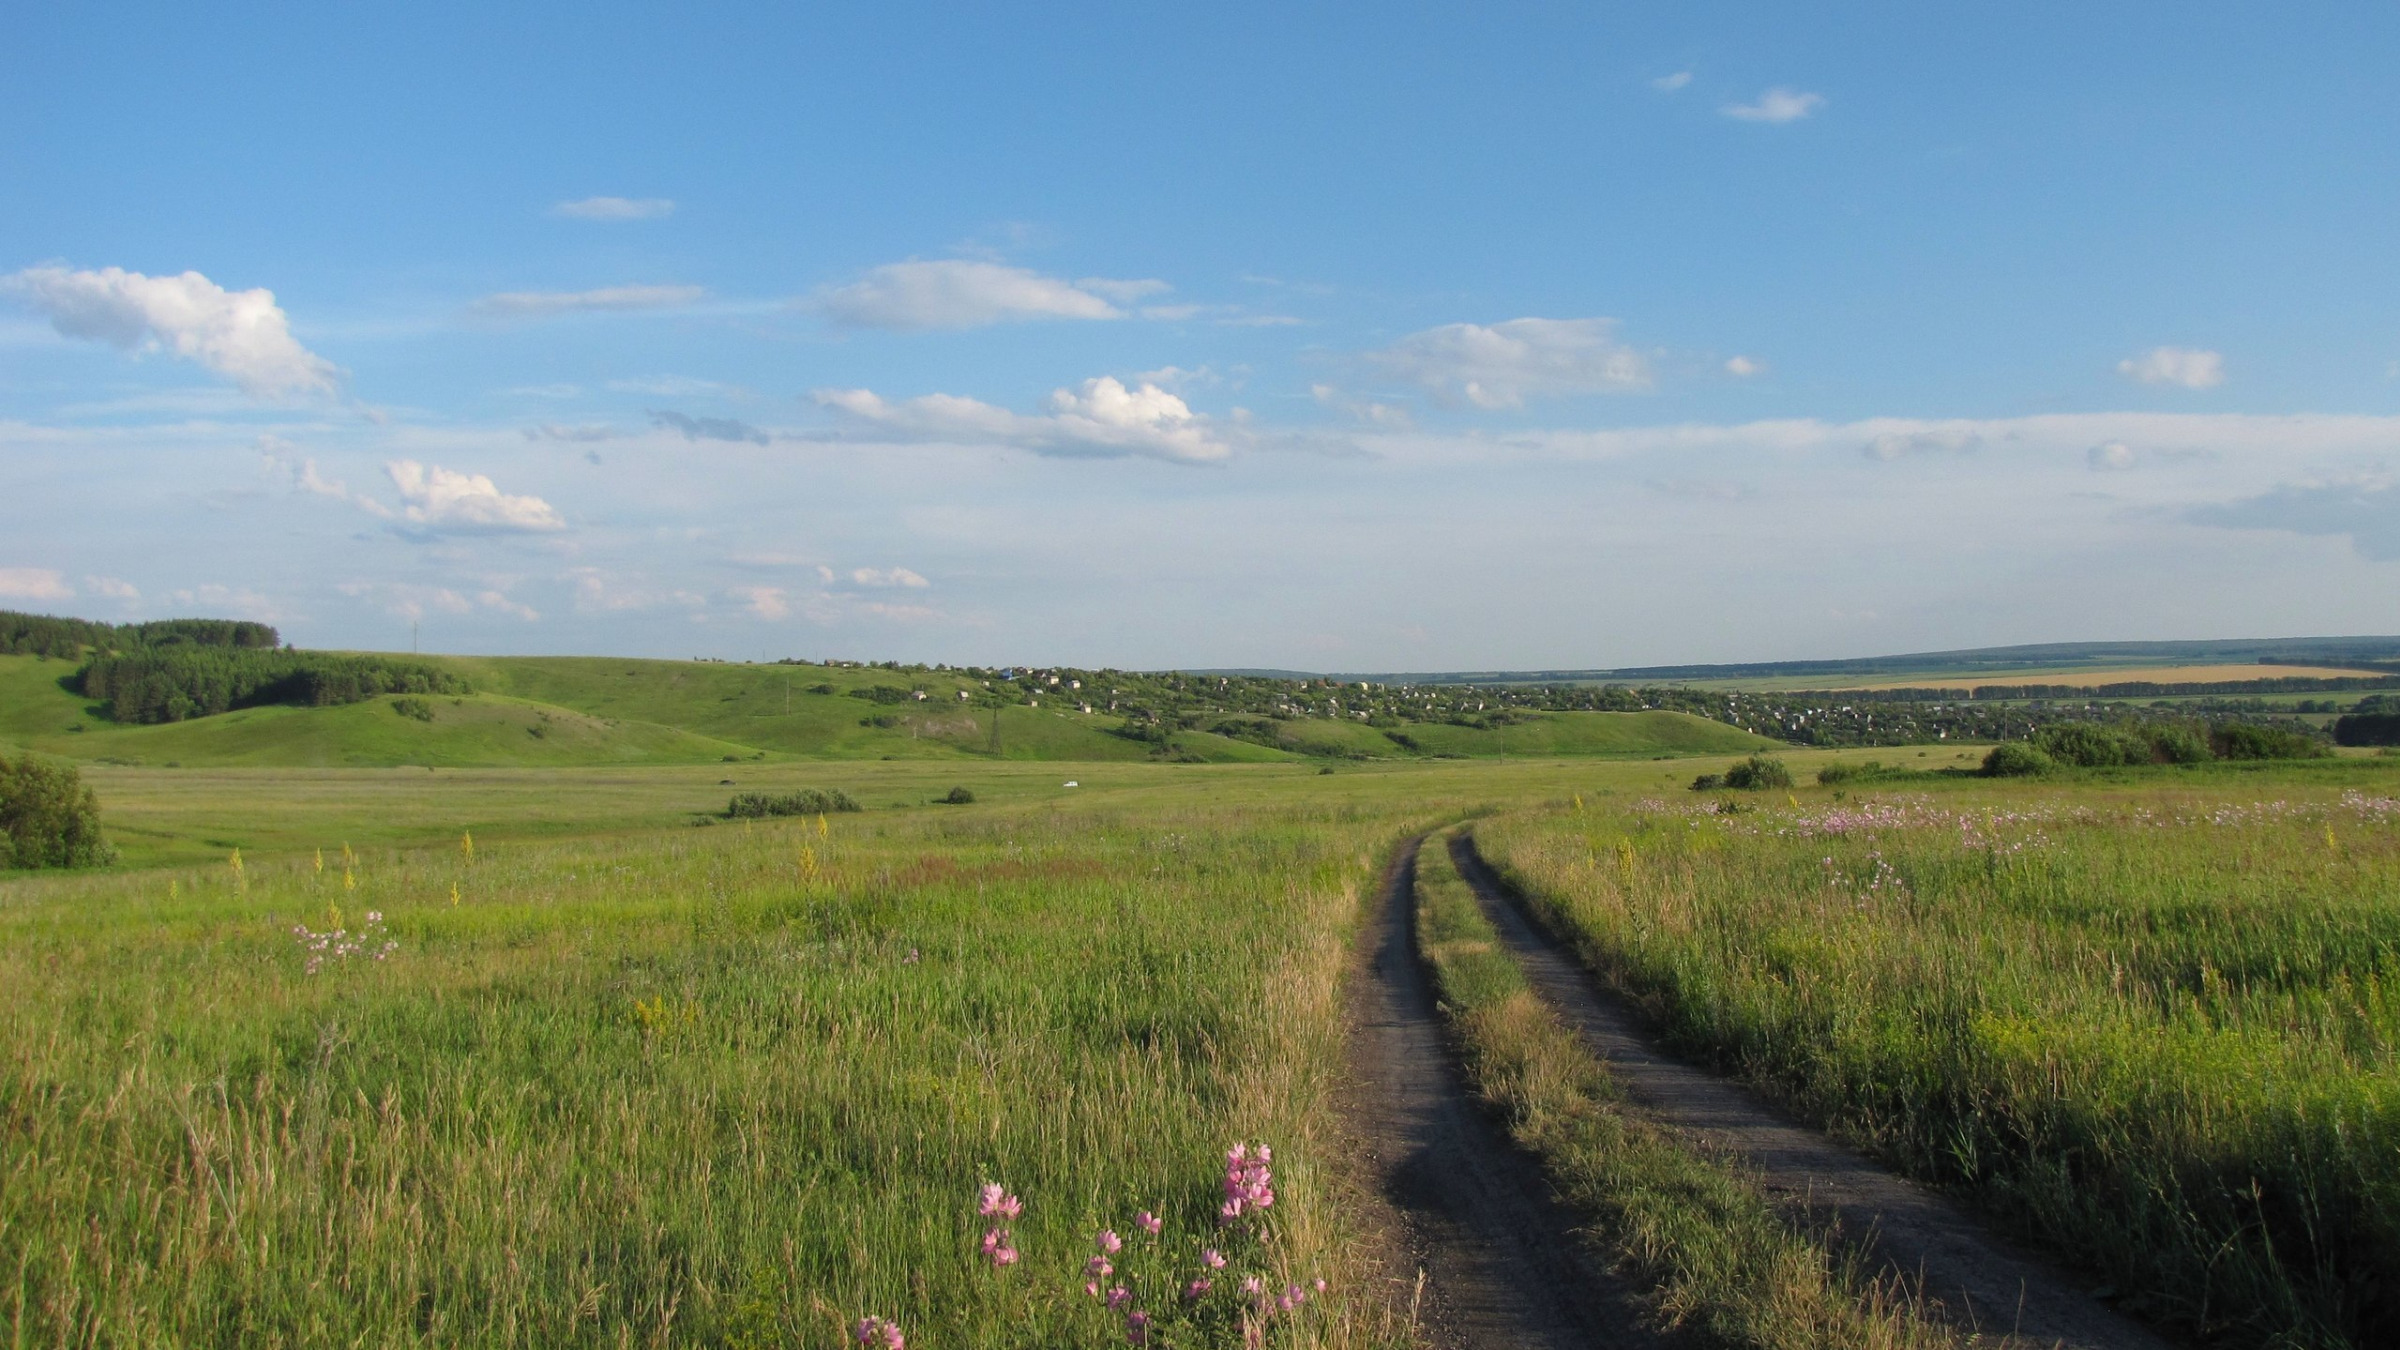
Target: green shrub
[
  {"x": 48, "y": 818},
  {"x": 2174, "y": 744},
  {"x": 1708, "y": 782},
  {"x": 1758, "y": 773},
  {"x": 959, "y": 796},
  {"x": 805, "y": 802},
  {"x": 2088, "y": 745},
  {"x": 2245, "y": 740},
  {"x": 413, "y": 707},
  {"x": 2016, "y": 759},
  {"x": 2368, "y": 728}
]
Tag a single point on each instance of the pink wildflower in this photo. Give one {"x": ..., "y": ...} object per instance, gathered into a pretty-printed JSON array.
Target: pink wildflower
[
  {"x": 1137, "y": 1328},
  {"x": 1320, "y": 1285},
  {"x": 1092, "y": 1287},
  {"x": 882, "y": 1332},
  {"x": 1118, "y": 1297},
  {"x": 1213, "y": 1259},
  {"x": 1148, "y": 1222},
  {"x": 1196, "y": 1288},
  {"x": 1254, "y": 1286},
  {"x": 1099, "y": 1268},
  {"x": 1249, "y": 1184},
  {"x": 996, "y": 1248},
  {"x": 999, "y": 1204},
  {"x": 1109, "y": 1242}
]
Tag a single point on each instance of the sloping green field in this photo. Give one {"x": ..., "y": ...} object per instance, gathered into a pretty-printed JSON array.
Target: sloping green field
[{"x": 588, "y": 711}]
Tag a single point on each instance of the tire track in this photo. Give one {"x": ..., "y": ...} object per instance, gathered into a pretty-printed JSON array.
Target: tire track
[
  {"x": 1969, "y": 1277},
  {"x": 1502, "y": 1265}
]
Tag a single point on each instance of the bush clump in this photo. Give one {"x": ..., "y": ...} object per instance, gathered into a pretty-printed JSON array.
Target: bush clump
[
  {"x": 1755, "y": 774},
  {"x": 2016, "y": 759},
  {"x": 958, "y": 796},
  {"x": 2244, "y": 740},
  {"x": 805, "y": 802},
  {"x": 48, "y": 818},
  {"x": 177, "y": 681}
]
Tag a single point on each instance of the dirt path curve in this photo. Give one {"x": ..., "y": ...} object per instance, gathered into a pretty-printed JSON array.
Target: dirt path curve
[
  {"x": 1978, "y": 1283},
  {"x": 1503, "y": 1267}
]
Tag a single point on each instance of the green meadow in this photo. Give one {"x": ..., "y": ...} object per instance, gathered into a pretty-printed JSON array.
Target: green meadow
[
  {"x": 491, "y": 1027},
  {"x": 2147, "y": 1018}
]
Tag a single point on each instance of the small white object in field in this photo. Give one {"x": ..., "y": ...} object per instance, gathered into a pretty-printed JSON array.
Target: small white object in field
[{"x": 1072, "y": 783}]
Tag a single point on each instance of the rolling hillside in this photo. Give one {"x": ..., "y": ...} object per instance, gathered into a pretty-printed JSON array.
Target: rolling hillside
[{"x": 560, "y": 711}]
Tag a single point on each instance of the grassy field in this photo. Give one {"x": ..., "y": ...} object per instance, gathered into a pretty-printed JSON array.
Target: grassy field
[
  {"x": 728, "y": 1086},
  {"x": 2148, "y": 1017}
]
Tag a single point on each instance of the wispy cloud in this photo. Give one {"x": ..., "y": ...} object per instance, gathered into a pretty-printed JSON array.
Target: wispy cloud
[
  {"x": 1101, "y": 418},
  {"x": 708, "y": 428},
  {"x": 1776, "y": 105},
  {"x": 962, "y": 293},
  {"x": 2364, "y": 509},
  {"x": 606, "y": 299},
  {"x": 1668, "y": 84},
  {"x": 615, "y": 208},
  {"x": 1502, "y": 365},
  {"x": 241, "y": 335},
  {"x": 34, "y": 583},
  {"x": 2186, "y": 367}
]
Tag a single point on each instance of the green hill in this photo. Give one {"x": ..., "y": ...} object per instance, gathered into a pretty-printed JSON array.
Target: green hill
[{"x": 561, "y": 711}]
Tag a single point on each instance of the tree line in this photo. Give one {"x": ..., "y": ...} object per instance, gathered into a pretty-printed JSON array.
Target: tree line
[
  {"x": 176, "y": 682},
  {"x": 65, "y": 639}
]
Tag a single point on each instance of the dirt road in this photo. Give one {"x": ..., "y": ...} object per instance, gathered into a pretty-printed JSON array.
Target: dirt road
[
  {"x": 1503, "y": 1267},
  {"x": 1974, "y": 1279}
]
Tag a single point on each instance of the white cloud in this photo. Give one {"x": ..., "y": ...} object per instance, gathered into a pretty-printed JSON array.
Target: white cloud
[
  {"x": 1503, "y": 365},
  {"x": 241, "y": 335},
  {"x": 114, "y": 588},
  {"x": 1175, "y": 379},
  {"x": 896, "y": 576},
  {"x": 1776, "y": 105},
  {"x": 1124, "y": 292},
  {"x": 34, "y": 583},
  {"x": 1388, "y": 415},
  {"x": 576, "y": 433},
  {"x": 498, "y": 601},
  {"x": 543, "y": 304},
  {"x": 2110, "y": 455},
  {"x": 1944, "y": 440},
  {"x": 1102, "y": 418},
  {"x": 615, "y": 208},
  {"x": 767, "y": 602},
  {"x": 440, "y": 500},
  {"x": 1668, "y": 84},
  {"x": 672, "y": 386},
  {"x": 1743, "y": 367},
  {"x": 2185, "y": 366},
  {"x": 961, "y": 293}
]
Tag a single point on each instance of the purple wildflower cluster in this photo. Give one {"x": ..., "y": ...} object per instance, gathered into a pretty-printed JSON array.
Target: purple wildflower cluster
[
  {"x": 1185, "y": 1290},
  {"x": 1249, "y": 1186},
  {"x": 881, "y": 1333},
  {"x": 340, "y": 944}
]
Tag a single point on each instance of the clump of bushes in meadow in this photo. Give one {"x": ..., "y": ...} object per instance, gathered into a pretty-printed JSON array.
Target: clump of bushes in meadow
[
  {"x": 2375, "y": 721},
  {"x": 959, "y": 796},
  {"x": 805, "y": 802},
  {"x": 48, "y": 817},
  {"x": 185, "y": 680},
  {"x": 1755, "y": 774},
  {"x": 2096, "y": 745}
]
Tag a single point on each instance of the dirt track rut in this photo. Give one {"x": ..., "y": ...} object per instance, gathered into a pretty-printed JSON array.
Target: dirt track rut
[
  {"x": 1975, "y": 1280},
  {"x": 1503, "y": 1266}
]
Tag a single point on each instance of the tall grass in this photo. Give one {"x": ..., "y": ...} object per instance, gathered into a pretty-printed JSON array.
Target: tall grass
[
  {"x": 734, "y": 1086},
  {"x": 2154, "y": 1026},
  {"x": 1724, "y": 1267}
]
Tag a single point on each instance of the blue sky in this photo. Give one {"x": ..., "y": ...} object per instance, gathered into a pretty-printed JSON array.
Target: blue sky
[{"x": 1365, "y": 338}]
